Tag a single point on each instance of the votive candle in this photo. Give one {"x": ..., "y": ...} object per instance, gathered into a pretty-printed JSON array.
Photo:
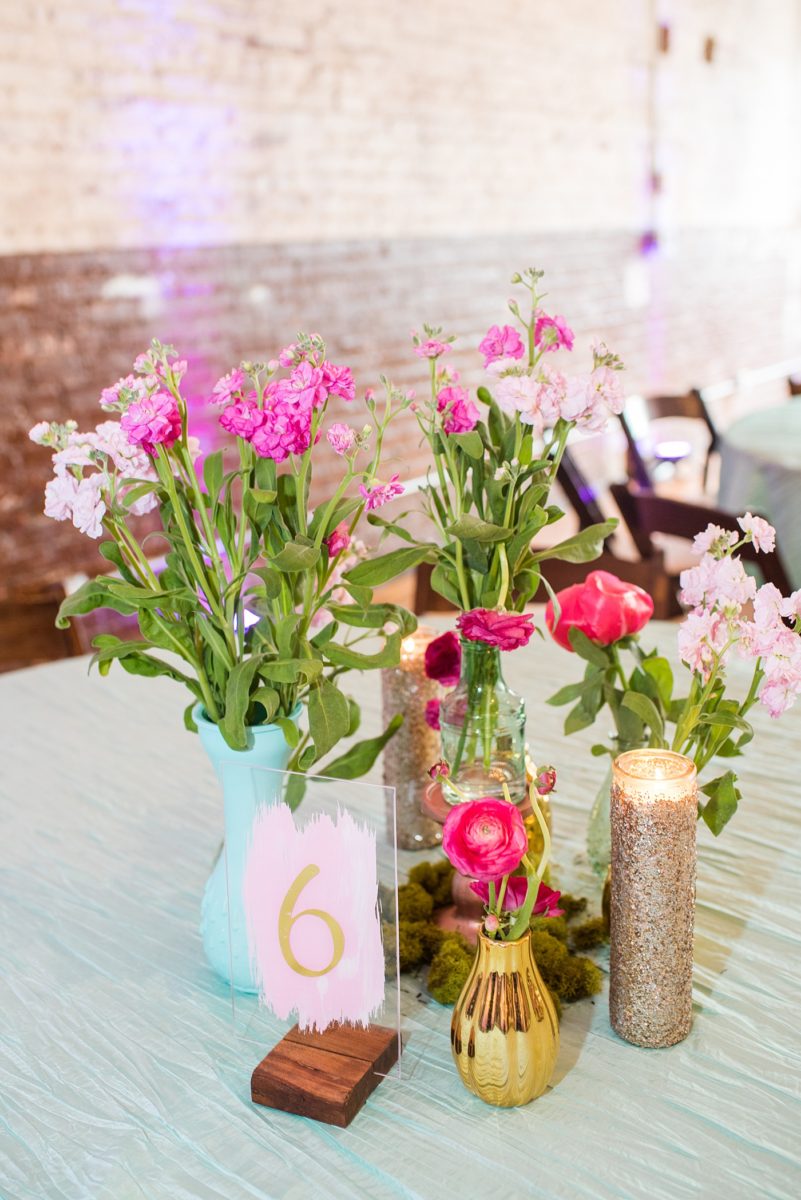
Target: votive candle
[
  {"x": 415, "y": 747},
  {"x": 654, "y": 811}
]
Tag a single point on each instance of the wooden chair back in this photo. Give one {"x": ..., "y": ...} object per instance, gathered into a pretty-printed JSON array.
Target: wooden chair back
[
  {"x": 645, "y": 514},
  {"x": 642, "y": 410},
  {"x": 580, "y": 492},
  {"x": 794, "y": 385},
  {"x": 28, "y": 634}
]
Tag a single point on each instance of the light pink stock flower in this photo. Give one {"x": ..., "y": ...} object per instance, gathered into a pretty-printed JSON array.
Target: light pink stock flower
[
  {"x": 722, "y": 582},
  {"x": 459, "y": 414},
  {"x": 341, "y": 438},
  {"x": 701, "y": 638},
  {"x": 501, "y": 342},
  {"x": 154, "y": 421},
  {"x": 227, "y": 387},
  {"x": 39, "y": 433},
  {"x": 89, "y": 506},
  {"x": 714, "y": 540},
  {"x": 338, "y": 381},
  {"x": 338, "y": 540},
  {"x": 551, "y": 396},
  {"x": 552, "y": 333},
  {"x": 518, "y": 391},
  {"x": 60, "y": 495},
  {"x": 432, "y": 348},
  {"x": 381, "y": 493},
  {"x": 759, "y": 531},
  {"x": 134, "y": 389}
]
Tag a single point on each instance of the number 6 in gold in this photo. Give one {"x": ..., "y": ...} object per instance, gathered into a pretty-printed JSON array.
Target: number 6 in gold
[{"x": 286, "y": 919}]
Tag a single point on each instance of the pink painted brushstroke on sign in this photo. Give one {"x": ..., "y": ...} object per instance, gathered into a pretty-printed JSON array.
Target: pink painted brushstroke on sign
[{"x": 342, "y": 884}]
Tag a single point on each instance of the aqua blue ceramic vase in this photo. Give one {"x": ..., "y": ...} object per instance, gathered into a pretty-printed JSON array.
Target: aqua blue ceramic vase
[{"x": 222, "y": 923}]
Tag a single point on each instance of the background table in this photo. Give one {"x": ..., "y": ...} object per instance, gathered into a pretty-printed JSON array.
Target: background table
[
  {"x": 760, "y": 469},
  {"x": 120, "y": 1078}
]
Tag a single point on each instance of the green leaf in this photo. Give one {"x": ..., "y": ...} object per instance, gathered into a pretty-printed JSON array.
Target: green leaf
[
  {"x": 296, "y": 556},
  {"x": 112, "y": 552},
  {"x": 572, "y": 691},
  {"x": 262, "y": 495},
  {"x": 578, "y": 718},
  {"x": 374, "y": 617},
  {"x": 724, "y": 797},
  {"x": 237, "y": 702},
  {"x": 356, "y": 660},
  {"x": 290, "y": 730},
  {"x": 359, "y": 759},
  {"x": 269, "y": 699},
  {"x": 722, "y": 719},
  {"x": 93, "y": 594},
  {"x": 329, "y": 716},
  {"x": 213, "y": 474},
  {"x": 375, "y": 571},
  {"x": 189, "y": 720},
  {"x": 647, "y": 711},
  {"x": 288, "y": 670},
  {"x": 270, "y": 580},
  {"x": 587, "y": 649},
  {"x": 581, "y": 547},
  {"x": 661, "y": 672},
  {"x": 473, "y": 528},
  {"x": 390, "y": 527},
  {"x": 294, "y": 791},
  {"x": 470, "y": 443},
  {"x": 443, "y": 582}
]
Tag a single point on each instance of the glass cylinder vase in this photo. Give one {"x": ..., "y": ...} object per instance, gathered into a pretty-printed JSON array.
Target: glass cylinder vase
[
  {"x": 599, "y": 828},
  {"x": 482, "y": 728}
]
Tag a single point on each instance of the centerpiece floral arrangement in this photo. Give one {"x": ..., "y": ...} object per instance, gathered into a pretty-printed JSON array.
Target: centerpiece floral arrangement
[
  {"x": 258, "y": 597},
  {"x": 728, "y": 615},
  {"x": 494, "y": 464}
]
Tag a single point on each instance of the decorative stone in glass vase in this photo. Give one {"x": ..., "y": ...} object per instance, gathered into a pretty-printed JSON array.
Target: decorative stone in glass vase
[{"x": 482, "y": 728}]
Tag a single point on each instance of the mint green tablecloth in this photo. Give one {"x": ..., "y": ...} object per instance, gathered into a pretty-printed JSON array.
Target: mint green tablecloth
[
  {"x": 760, "y": 469},
  {"x": 121, "y": 1079}
]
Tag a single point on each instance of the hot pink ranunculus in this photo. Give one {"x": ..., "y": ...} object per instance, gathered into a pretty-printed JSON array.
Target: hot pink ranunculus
[
  {"x": 431, "y": 714},
  {"x": 502, "y": 629},
  {"x": 443, "y": 659},
  {"x": 516, "y": 892},
  {"x": 485, "y": 838},
  {"x": 603, "y": 607},
  {"x": 501, "y": 342},
  {"x": 152, "y": 421}
]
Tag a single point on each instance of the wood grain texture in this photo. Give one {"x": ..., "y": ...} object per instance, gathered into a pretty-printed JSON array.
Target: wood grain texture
[{"x": 325, "y": 1076}]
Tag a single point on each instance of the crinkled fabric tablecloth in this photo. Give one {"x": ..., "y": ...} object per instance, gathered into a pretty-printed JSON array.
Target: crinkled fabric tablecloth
[{"x": 121, "y": 1078}]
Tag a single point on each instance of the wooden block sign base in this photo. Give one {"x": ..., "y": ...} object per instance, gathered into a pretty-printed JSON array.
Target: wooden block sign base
[{"x": 326, "y": 1076}]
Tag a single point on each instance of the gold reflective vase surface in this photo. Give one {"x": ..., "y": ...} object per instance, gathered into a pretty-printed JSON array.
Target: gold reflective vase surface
[{"x": 504, "y": 1032}]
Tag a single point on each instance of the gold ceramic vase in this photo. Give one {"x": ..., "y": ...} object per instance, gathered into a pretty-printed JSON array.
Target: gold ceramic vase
[{"x": 504, "y": 1032}]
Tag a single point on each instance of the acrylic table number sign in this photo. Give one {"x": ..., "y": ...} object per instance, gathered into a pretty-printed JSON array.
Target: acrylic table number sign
[{"x": 319, "y": 896}]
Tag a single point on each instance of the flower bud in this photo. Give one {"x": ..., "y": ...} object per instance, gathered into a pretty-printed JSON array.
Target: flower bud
[
  {"x": 491, "y": 923},
  {"x": 546, "y": 780}
]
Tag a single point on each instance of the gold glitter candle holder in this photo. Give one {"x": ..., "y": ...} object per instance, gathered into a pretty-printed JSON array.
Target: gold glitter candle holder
[
  {"x": 654, "y": 809},
  {"x": 415, "y": 747}
]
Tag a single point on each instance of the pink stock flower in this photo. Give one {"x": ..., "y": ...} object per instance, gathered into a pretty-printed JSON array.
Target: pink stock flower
[
  {"x": 506, "y": 630},
  {"x": 381, "y": 493},
  {"x": 515, "y": 896},
  {"x": 759, "y": 531},
  {"x": 242, "y": 418},
  {"x": 305, "y": 386},
  {"x": 60, "y": 495},
  {"x": 443, "y": 659},
  {"x": 286, "y": 358},
  {"x": 501, "y": 342},
  {"x": 338, "y": 540},
  {"x": 714, "y": 540},
  {"x": 89, "y": 506},
  {"x": 552, "y": 333},
  {"x": 40, "y": 433},
  {"x": 339, "y": 381},
  {"x": 227, "y": 387},
  {"x": 341, "y": 438},
  {"x": 459, "y": 414},
  {"x": 432, "y": 348},
  {"x": 701, "y": 639},
  {"x": 791, "y": 607},
  {"x": 285, "y": 430},
  {"x": 722, "y": 582},
  {"x": 125, "y": 390},
  {"x": 484, "y": 838},
  {"x": 769, "y": 607},
  {"x": 153, "y": 421},
  {"x": 551, "y": 394},
  {"x": 431, "y": 714}
]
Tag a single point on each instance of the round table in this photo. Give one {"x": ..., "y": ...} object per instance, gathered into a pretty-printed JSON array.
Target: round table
[{"x": 760, "y": 470}]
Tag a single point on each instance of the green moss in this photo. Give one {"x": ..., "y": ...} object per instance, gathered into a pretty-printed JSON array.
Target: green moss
[
  {"x": 572, "y": 905},
  {"x": 414, "y": 903},
  {"x": 435, "y": 878},
  {"x": 449, "y": 970},
  {"x": 589, "y": 934},
  {"x": 571, "y": 977},
  {"x": 556, "y": 927}
]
